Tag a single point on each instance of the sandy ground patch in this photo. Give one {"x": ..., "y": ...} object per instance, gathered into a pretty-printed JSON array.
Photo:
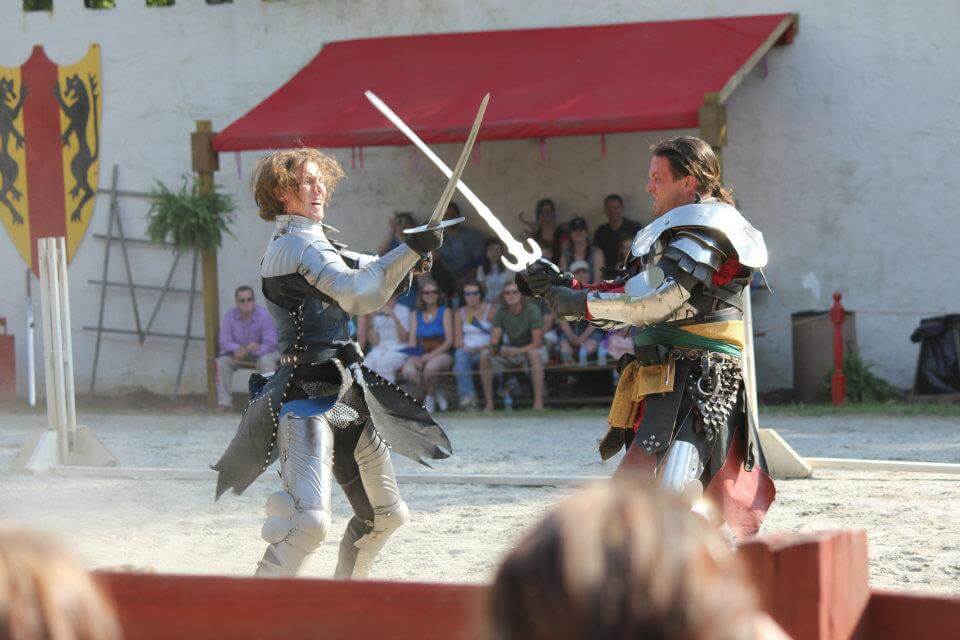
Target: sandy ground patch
[{"x": 459, "y": 532}]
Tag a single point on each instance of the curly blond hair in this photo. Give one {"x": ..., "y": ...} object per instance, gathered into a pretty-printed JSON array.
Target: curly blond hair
[{"x": 280, "y": 171}]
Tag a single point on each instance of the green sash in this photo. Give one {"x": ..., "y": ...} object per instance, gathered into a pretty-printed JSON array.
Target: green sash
[{"x": 673, "y": 337}]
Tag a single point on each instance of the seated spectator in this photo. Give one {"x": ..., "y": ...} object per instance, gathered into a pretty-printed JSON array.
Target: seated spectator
[
  {"x": 623, "y": 561},
  {"x": 617, "y": 227},
  {"x": 516, "y": 340},
  {"x": 46, "y": 595},
  {"x": 460, "y": 254},
  {"x": 401, "y": 220},
  {"x": 471, "y": 336},
  {"x": 551, "y": 237},
  {"x": 581, "y": 340},
  {"x": 248, "y": 339},
  {"x": 491, "y": 273},
  {"x": 620, "y": 343},
  {"x": 383, "y": 336},
  {"x": 578, "y": 340},
  {"x": 431, "y": 337},
  {"x": 580, "y": 249}
]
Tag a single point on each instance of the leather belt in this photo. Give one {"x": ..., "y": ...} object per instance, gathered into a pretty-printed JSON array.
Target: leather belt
[{"x": 347, "y": 352}]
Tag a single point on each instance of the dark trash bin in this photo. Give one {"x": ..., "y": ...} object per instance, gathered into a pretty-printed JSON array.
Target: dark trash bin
[
  {"x": 938, "y": 368},
  {"x": 813, "y": 350}
]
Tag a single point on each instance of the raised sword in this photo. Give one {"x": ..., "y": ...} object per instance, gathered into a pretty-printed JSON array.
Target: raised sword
[{"x": 522, "y": 256}]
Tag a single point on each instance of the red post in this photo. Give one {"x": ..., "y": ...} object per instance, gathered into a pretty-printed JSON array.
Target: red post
[
  {"x": 8, "y": 365},
  {"x": 838, "y": 383}
]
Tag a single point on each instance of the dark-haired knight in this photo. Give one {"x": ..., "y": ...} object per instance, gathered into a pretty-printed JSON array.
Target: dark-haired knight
[
  {"x": 324, "y": 415},
  {"x": 680, "y": 407}
]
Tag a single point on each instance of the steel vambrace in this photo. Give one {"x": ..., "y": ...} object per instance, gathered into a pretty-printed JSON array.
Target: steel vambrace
[{"x": 641, "y": 311}]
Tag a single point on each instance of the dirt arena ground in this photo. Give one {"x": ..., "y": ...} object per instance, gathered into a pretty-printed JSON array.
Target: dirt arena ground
[{"x": 459, "y": 532}]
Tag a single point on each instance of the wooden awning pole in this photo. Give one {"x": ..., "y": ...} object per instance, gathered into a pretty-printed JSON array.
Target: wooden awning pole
[{"x": 205, "y": 162}]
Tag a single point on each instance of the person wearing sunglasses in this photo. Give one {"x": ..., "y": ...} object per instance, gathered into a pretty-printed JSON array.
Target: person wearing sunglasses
[
  {"x": 431, "y": 337},
  {"x": 325, "y": 416},
  {"x": 248, "y": 339},
  {"x": 471, "y": 337}
]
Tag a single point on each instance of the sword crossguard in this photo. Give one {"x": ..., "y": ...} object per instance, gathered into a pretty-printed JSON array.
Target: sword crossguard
[{"x": 522, "y": 257}]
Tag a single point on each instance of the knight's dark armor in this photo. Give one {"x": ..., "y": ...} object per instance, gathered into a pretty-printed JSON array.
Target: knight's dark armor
[
  {"x": 322, "y": 413},
  {"x": 682, "y": 396}
]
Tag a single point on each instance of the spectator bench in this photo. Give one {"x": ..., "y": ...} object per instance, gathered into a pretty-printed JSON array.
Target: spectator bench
[
  {"x": 814, "y": 585},
  {"x": 564, "y": 384}
]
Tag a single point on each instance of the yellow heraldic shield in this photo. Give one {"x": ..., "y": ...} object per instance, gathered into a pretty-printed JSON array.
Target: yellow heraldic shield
[{"x": 50, "y": 119}]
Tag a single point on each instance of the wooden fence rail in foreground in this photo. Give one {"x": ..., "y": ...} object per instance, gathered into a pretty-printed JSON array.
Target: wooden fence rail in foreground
[{"x": 814, "y": 585}]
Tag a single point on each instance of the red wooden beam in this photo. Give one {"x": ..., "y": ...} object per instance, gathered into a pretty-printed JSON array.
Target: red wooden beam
[
  {"x": 154, "y": 606},
  {"x": 911, "y": 616},
  {"x": 816, "y": 586}
]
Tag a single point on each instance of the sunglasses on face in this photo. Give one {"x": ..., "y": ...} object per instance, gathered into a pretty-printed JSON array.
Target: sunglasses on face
[
  {"x": 471, "y": 293},
  {"x": 511, "y": 292},
  {"x": 244, "y": 300},
  {"x": 429, "y": 292}
]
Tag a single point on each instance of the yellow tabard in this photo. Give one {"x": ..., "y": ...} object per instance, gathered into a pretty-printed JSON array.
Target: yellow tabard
[{"x": 637, "y": 381}]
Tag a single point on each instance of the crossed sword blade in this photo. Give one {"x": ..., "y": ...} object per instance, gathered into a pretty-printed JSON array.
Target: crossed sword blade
[{"x": 522, "y": 256}]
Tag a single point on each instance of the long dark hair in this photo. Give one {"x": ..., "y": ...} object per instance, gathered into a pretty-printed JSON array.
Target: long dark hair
[
  {"x": 484, "y": 260},
  {"x": 689, "y": 156}
]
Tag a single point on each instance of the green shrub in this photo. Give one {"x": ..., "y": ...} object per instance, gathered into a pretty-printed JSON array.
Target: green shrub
[{"x": 862, "y": 384}]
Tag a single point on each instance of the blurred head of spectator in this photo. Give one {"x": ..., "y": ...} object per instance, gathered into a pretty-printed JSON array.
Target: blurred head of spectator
[
  {"x": 398, "y": 222},
  {"x": 549, "y": 235},
  {"x": 491, "y": 273},
  {"x": 613, "y": 207},
  {"x": 244, "y": 299},
  {"x": 46, "y": 595},
  {"x": 579, "y": 231},
  {"x": 580, "y": 249},
  {"x": 492, "y": 252},
  {"x": 610, "y": 234},
  {"x": 428, "y": 298},
  {"x": 452, "y": 212},
  {"x": 620, "y": 561},
  {"x": 546, "y": 212},
  {"x": 581, "y": 271}
]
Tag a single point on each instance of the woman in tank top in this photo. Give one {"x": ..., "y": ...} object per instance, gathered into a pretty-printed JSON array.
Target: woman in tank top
[
  {"x": 471, "y": 336},
  {"x": 431, "y": 337}
]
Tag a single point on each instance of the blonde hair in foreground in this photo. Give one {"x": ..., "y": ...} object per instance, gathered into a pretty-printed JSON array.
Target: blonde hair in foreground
[
  {"x": 622, "y": 561},
  {"x": 280, "y": 171},
  {"x": 46, "y": 595}
]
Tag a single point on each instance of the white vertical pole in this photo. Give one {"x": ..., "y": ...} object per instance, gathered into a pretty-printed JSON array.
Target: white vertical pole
[
  {"x": 31, "y": 357},
  {"x": 60, "y": 410},
  {"x": 67, "y": 341},
  {"x": 46, "y": 325},
  {"x": 750, "y": 369}
]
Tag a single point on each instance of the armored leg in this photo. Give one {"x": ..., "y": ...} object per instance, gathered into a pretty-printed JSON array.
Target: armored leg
[
  {"x": 680, "y": 470},
  {"x": 367, "y": 477},
  {"x": 298, "y": 518}
]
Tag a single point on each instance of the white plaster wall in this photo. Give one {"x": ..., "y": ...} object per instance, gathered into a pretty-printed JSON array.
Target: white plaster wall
[{"x": 842, "y": 154}]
